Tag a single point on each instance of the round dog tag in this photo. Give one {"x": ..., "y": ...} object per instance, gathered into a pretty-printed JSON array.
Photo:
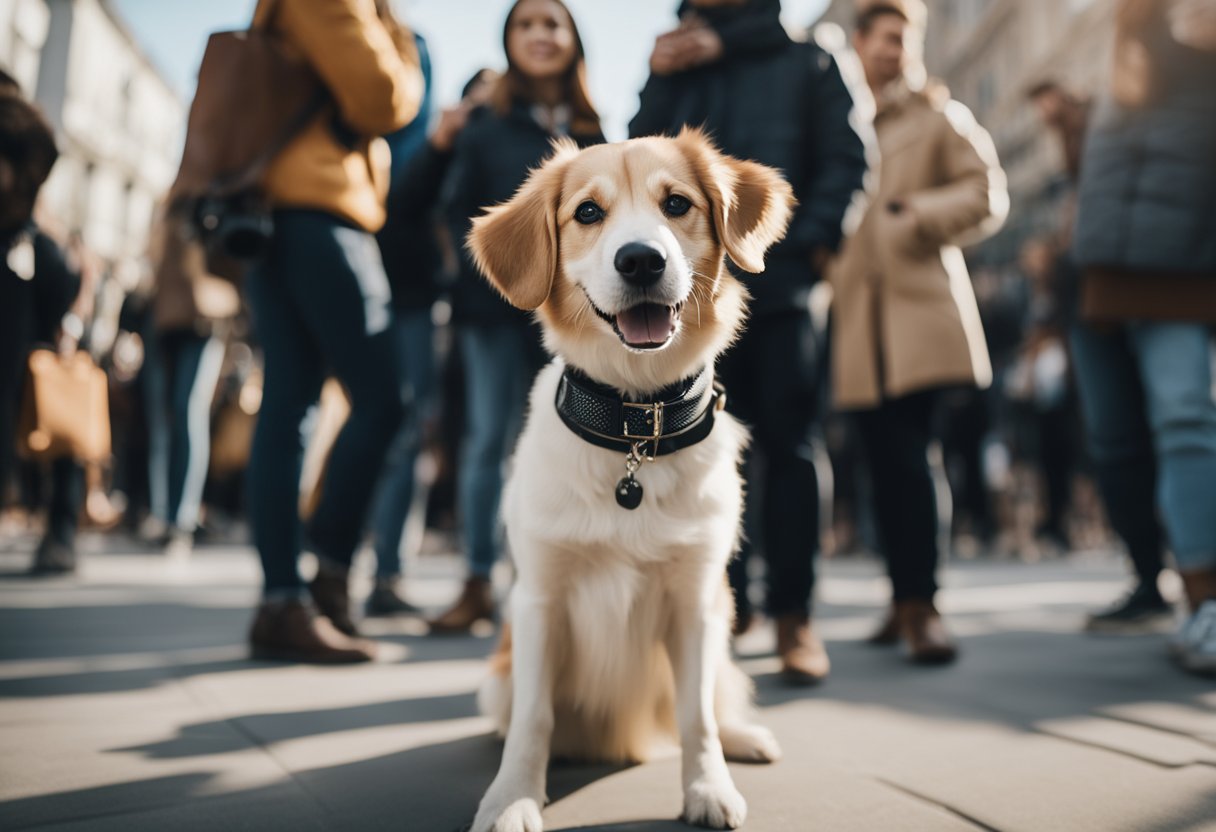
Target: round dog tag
[{"x": 629, "y": 493}]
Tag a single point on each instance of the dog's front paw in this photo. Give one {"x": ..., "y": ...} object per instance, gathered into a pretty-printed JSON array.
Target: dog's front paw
[
  {"x": 520, "y": 815},
  {"x": 714, "y": 803},
  {"x": 749, "y": 744}
]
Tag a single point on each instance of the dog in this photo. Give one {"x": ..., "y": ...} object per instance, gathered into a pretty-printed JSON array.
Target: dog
[{"x": 623, "y": 503}]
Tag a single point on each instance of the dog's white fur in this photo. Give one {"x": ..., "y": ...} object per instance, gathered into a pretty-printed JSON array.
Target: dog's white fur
[{"x": 619, "y": 620}]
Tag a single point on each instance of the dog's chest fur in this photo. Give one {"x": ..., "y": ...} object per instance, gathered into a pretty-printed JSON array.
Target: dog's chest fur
[{"x": 561, "y": 491}]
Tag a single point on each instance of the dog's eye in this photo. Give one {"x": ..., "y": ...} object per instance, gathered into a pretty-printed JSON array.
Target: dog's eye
[
  {"x": 589, "y": 213},
  {"x": 676, "y": 205}
]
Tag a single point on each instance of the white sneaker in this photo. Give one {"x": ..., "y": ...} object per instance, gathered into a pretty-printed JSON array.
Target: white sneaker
[{"x": 1194, "y": 647}]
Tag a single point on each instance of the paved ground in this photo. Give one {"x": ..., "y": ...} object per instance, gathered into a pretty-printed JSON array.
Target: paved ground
[{"x": 126, "y": 703}]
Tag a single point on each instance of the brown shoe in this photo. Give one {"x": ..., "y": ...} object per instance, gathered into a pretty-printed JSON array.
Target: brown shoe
[
  {"x": 292, "y": 631},
  {"x": 888, "y": 634},
  {"x": 330, "y": 594},
  {"x": 804, "y": 660},
  {"x": 476, "y": 603},
  {"x": 924, "y": 634}
]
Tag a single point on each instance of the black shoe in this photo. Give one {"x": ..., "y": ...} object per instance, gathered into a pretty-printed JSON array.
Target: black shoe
[
  {"x": 1142, "y": 611},
  {"x": 386, "y": 601},
  {"x": 53, "y": 558}
]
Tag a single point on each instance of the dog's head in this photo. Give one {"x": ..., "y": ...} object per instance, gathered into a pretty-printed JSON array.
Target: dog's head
[{"x": 621, "y": 248}]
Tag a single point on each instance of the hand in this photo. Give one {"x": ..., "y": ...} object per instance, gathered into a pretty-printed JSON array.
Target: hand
[
  {"x": 693, "y": 44},
  {"x": 451, "y": 122}
]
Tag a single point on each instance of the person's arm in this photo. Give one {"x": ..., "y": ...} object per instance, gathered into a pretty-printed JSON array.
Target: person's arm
[
  {"x": 462, "y": 191},
  {"x": 417, "y": 189},
  {"x": 972, "y": 201},
  {"x": 377, "y": 89},
  {"x": 836, "y": 161}
]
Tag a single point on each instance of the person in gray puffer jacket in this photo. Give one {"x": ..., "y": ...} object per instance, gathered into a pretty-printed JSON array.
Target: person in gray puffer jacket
[{"x": 1146, "y": 243}]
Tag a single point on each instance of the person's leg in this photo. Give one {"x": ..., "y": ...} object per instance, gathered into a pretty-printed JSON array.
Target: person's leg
[
  {"x": 744, "y": 402},
  {"x": 1175, "y": 361},
  {"x": 293, "y": 376},
  {"x": 896, "y": 438},
  {"x": 489, "y": 379},
  {"x": 57, "y": 551},
  {"x": 492, "y": 364},
  {"x": 1056, "y": 461},
  {"x": 155, "y": 384},
  {"x": 783, "y": 364},
  {"x": 786, "y": 365},
  {"x": 197, "y": 361},
  {"x": 343, "y": 297},
  {"x": 1120, "y": 445}
]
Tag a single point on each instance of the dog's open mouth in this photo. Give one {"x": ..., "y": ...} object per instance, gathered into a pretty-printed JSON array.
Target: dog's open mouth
[{"x": 646, "y": 326}]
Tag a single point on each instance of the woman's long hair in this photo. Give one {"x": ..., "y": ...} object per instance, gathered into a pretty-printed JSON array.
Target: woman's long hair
[{"x": 514, "y": 86}]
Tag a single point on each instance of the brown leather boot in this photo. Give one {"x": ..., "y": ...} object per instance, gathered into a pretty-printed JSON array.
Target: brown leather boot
[
  {"x": 476, "y": 603},
  {"x": 292, "y": 631},
  {"x": 923, "y": 633},
  {"x": 330, "y": 594},
  {"x": 804, "y": 660},
  {"x": 887, "y": 634}
]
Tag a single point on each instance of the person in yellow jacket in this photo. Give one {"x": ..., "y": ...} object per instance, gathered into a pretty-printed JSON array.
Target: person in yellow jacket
[
  {"x": 320, "y": 302},
  {"x": 905, "y": 320}
]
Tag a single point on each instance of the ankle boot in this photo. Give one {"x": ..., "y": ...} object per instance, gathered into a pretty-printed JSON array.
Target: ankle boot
[
  {"x": 476, "y": 603},
  {"x": 923, "y": 633},
  {"x": 330, "y": 594},
  {"x": 292, "y": 631},
  {"x": 804, "y": 660}
]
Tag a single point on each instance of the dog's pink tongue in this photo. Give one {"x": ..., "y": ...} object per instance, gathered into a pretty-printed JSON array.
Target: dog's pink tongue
[{"x": 646, "y": 325}]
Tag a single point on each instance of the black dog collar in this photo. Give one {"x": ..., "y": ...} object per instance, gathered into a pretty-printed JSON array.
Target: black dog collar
[{"x": 674, "y": 417}]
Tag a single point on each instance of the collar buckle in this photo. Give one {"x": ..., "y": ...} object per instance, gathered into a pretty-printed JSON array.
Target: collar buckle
[{"x": 654, "y": 418}]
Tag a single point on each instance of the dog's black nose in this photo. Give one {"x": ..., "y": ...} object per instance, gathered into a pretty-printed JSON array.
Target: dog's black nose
[{"x": 641, "y": 264}]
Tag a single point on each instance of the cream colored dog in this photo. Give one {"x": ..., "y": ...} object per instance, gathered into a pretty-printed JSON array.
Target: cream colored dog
[{"x": 619, "y": 620}]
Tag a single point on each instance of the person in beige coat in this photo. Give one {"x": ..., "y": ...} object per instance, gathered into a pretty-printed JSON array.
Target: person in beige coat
[{"x": 905, "y": 322}]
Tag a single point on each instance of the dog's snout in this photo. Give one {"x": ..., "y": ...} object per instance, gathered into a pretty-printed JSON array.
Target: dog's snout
[{"x": 641, "y": 264}]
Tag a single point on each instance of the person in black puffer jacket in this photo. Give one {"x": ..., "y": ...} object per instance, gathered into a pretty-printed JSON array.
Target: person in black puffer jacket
[
  {"x": 542, "y": 95},
  {"x": 1146, "y": 244},
  {"x": 732, "y": 68}
]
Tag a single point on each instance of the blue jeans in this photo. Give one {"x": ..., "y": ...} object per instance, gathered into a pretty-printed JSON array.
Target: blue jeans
[
  {"x": 498, "y": 371},
  {"x": 414, "y": 334},
  {"x": 192, "y": 364},
  {"x": 1147, "y": 400},
  {"x": 320, "y": 302}
]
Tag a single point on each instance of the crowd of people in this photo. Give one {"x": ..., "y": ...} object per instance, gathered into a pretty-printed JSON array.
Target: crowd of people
[{"x": 1089, "y": 360}]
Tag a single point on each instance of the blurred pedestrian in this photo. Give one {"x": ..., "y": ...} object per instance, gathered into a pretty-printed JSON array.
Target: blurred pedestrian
[
  {"x": 320, "y": 302},
  {"x": 1146, "y": 243},
  {"x": 542, "y": 95},
  {"x": 1128, "y": 490},
  {"x": 906, "y": 326},
  {"x": 192, "y": 312},
  {"x": 732, "y": 69},
  {"x": 37, "y": 288}
]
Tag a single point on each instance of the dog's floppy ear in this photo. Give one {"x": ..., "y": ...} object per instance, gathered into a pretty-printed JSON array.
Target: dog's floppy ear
[
  {"x": 751, "y": 203},
  {"x": 514, "y": 244}
]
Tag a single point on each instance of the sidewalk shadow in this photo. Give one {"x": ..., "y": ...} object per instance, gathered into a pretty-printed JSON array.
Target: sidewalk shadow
[{"x": 434, "y": 788}]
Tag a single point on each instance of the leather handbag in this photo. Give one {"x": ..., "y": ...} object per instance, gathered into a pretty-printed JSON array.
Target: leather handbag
[
  {"x": 65, "y": 411},
  {"x": 254, "y": 96}
]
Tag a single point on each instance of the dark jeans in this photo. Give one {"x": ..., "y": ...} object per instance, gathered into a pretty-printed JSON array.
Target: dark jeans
[
  {"x": 772, "y": 383},
  {"x": 896, "y": 438},
  {"x": 192, "y": 365},
  {"x": 321, "y": 305}
]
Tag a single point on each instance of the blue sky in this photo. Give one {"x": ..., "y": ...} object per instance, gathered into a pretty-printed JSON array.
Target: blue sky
[{"x": 463, "y": 35}]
